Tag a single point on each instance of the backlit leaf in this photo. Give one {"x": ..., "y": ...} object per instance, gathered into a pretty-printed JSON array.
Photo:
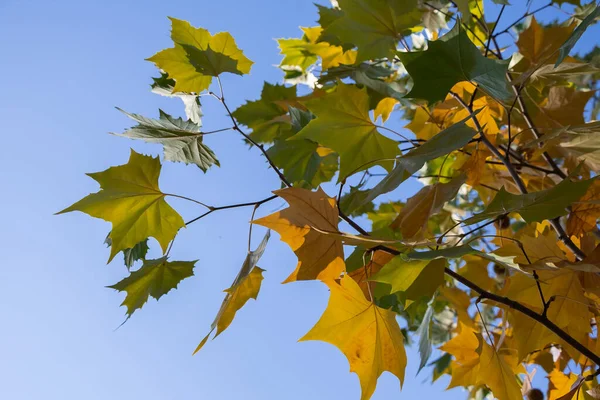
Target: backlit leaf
[
  {"x": 374, "y": 26},
  {"x": 155, "y": 278},
  {"x": 452, "y": 59},
  {"x": 368, "y": 336},
  {"x": 182, "y": 140},
  {"x": 132, "y": 201},
  {"x": 245, "y": 287},
  {"x": 319, "y": 256},
  {"x": 198, "y": 56},
  {"x": 343, "y": 125}
]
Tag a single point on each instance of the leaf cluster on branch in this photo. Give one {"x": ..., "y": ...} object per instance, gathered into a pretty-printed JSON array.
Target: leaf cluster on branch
[{"x": 493, "y": 266}]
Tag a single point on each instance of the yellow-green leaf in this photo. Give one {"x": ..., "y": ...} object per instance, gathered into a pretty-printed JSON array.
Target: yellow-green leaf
[
  {"x": 343, "y": 125},
  {"x": 198, "y": 56},
  {"x": 132, "y": 201}
]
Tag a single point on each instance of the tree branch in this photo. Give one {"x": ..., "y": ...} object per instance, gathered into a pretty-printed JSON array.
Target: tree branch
[
  {"x": 247, "y": 137},
  {"x": 555, "y": 222}
]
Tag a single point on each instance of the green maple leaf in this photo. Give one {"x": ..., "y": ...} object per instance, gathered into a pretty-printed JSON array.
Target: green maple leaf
[
  {"x": 267, "y": 116},
  {"x": 374, "y": 26},
  {"x": 132, "y": 201},
  {"x": 452, "y": 59},
  {"x": 155, "y": 278},
  {"x": 182, "y": 140},
  {"x": 453, "y": 138},
  {"x": 198, "y": 56},
  {"x": 415, "y": 278},
  {"x": 536, "y": 206},
  {"x": 304, "y": 162},
  {"x": 343, "y": 125}
]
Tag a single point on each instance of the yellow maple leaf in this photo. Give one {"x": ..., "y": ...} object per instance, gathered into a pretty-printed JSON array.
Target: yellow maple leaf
[
  {"x": 237, "y": 295},
  {"x": 301, "y": 52},
  {"x": 384, "y": 108},
  {"x": 567, "y": 387},
  {"x": 464, "y": 345},
  {"x": 475, "y": 167},
  {"x": 422, "y": 125},
  {"x": 584, "y": 216},
  {"x": 539, "y": 44},
  {"x": 369, "y": 336},
  {"x": 490, "y": 112},
  {"x": 320, "y": 256},
  {"x": 460, "y": 301},
  {"x": 497, "y": 371},
  {"x": 131, "y": 200},
  {"x": 569, "y": 310}
]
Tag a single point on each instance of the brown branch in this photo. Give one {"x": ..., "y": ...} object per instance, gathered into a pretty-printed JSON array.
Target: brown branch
[
  {"x": 237, "y": 128},
  {"x": 213, "y": 209},
  {"x": 555, "y": 222},
  {"x": 484, "y": 294}
]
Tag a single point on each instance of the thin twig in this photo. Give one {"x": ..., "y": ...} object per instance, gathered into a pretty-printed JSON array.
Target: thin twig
[{"x": 555, "y": 222}]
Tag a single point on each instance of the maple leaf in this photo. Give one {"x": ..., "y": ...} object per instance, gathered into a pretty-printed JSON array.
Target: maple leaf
[
  {"x": 463, "y": 347},
  {"x": 540, "y": 44},
  {"x": 130, "y": 256},
  {"x": 537, "y": 247},
  {"x": 374, "y": 27},
  {"x": 303, "y": 162},
  {"x": 497, "y": 371},
  {"x": 182, "y": 140},
  {"x": 131, "y": 200},
  {"x": 452, "y": 59},
  {"x": 369, "y": 336},
  {"x": 384, "y": 108},
  {"x": 304, "y": 52},
  {"x": 584, "y": 215},
  {"x": 155, "y": 278},
  {"x": 198, "y": 56},
  {"x": 565, "y": 106},
  {"x": 267, "y": 116},
  {"x": 245, "y": 287},
  {"x": 422, "y": 125},
  {"x": 427, "y": 202},
  {"x": 319, "y": 256},
  {"x": 453, "y": 138},
  {"x": 419, "y": 278},
  {"x": 569, "y": 309},
  {"x": 535, "y": 206},
  {"x": 343, "y": 125}
]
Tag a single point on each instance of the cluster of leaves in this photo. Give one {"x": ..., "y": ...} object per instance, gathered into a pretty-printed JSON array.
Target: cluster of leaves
[{"x": 495, "y": 261}]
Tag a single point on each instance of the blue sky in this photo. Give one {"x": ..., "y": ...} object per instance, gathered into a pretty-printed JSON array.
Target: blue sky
[{"x": 66, "y": 65}]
